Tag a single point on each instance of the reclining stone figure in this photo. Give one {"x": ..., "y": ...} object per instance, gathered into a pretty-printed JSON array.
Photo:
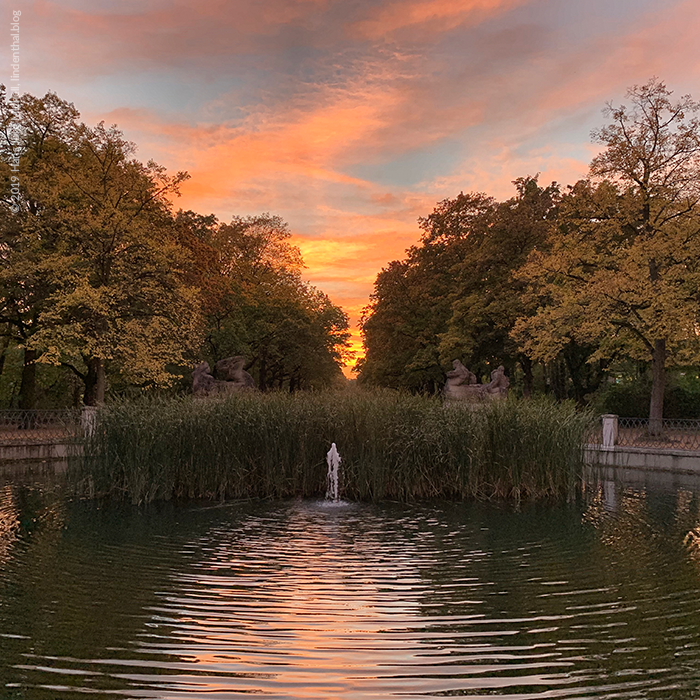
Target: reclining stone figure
[
  {"x": 462, "y": 384},
  {"x": 230, "y": 369},
  {"x": 230, "y": 378}
]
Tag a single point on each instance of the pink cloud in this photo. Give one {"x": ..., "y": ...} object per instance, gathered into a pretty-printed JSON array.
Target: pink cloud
[
  {"x": 431, "y": 16},
  {"x": 517, "y": 108},
  {"x": 172, "y": 33}
]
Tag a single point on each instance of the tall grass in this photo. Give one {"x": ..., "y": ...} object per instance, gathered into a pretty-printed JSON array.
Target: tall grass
[{"x": 393, "y": 446}]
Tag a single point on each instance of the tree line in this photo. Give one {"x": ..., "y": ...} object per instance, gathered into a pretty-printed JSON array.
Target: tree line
[
  {"x": 103, "y": 282},
  {"x": 565, "y": 280}
]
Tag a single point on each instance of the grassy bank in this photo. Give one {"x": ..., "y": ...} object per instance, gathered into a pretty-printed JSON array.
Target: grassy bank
[{"x": 392, "y": 446}]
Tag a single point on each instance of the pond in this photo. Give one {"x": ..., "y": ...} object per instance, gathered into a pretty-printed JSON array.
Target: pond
[{"x": 594, "y": 599}]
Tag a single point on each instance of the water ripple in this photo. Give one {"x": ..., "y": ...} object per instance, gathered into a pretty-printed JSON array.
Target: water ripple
[{"x": 299, "y": 600}]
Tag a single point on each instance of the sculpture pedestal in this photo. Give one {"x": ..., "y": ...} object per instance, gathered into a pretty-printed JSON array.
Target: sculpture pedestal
[
  {"x": 465, "y": 392},
  {"x": 459, "y": 385}
]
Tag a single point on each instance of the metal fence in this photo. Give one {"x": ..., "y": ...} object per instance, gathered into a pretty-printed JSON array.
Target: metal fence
[
  {"x": 595, "y": 434},
  {"x": 32, "y": 426},
  {"x": 676, "y": 434}
]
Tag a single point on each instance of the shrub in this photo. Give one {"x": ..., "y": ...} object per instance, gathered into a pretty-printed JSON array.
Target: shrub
[{"x": 631, "y": 399}]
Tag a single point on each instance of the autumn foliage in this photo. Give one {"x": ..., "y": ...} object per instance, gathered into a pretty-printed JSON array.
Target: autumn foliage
[
  {"x": 567, "y": 281},
  {"x": 102, "y": 281}
]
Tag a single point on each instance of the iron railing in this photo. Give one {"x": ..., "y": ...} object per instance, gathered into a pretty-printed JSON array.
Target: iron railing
[
  {"x": 594, "y": 436},
  {"x": 679, "y": 434},
  {"x": 32, "y": 426}
]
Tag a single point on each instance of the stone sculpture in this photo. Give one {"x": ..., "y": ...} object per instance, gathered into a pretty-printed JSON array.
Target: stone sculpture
[
  {"x": 499, "y": 382},
  {"x": 231, "y": 369},
  {"x": 462, "y": 384},
  {"x": 203, "y": 382},
  {"x": 230, "y": 377}
]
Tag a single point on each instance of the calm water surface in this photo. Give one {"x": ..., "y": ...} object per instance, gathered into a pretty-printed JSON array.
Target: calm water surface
[{"x": 596, "y": 599}]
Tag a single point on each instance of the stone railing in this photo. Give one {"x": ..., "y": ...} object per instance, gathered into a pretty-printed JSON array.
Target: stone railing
[
  {"x": 676, "y": 434},
  {"x": 41, "y": 426}
]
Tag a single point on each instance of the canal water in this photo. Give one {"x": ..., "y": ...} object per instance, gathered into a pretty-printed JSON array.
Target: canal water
[{"x": 598, "y": 598}]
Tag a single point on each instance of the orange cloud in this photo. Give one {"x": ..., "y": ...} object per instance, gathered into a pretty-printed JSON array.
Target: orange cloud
[
  {"x": 372, "y": 83},
  {"x": 431, "y": 16}
]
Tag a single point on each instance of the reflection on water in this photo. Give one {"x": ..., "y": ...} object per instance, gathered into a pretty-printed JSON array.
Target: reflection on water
[
  {"x": 9, "y": 521},
  {"x": 597, "y": 599}
]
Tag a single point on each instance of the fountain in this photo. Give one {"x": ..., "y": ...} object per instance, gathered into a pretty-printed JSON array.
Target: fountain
[{"x": 333, "y": 460}]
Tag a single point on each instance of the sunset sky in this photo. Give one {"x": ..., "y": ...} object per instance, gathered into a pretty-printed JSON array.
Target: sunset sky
[{"x": 352, "y": 118}]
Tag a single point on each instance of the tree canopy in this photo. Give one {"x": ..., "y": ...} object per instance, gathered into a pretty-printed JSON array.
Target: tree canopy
[
  {"x": 568, "y": 278},
  {"x": 621, "y": 266},
  {"x": 455, "y": 295},
  {"x": 255, "y": 303},
  {"x": 100, "y": 277}
]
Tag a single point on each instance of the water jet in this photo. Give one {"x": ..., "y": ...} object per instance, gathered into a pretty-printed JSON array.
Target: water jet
[{"x": 332, "y": 483}]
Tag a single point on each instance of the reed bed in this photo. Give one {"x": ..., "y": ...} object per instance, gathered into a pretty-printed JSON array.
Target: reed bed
[{"x": 393, "y": 446}]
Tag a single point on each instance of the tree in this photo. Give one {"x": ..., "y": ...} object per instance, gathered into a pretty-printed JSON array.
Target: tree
[
  {"x": 255, "y": 302},
  {"x": 31, "y": 131},
  {"x": 486, "y": 299},
  {"x": 398, "y": 332},
  {"x": 455, "y": 295},
  {"x": 411, "y": 304},
  {"x": 98, "y": 274},
  {"x": 622, "y": 266}
]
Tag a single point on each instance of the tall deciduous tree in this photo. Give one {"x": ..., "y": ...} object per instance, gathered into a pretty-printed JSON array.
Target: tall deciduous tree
[
  {"x": 623, "y": 269},
  {"x": 411, "y": 304},
  {"x": 96, "y": 269},
  {"x": 486, "y": 299},
  {"x": 255, "y": 302},
  {"x": 120, "y": 294},
  {"x": 32, "y": 131}
]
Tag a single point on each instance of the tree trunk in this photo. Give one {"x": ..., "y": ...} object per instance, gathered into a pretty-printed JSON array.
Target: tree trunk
[
  {"x": 95, "y": 382},
  {"x": 262, "y": 383},
  {"x": 574, "y": 370},
  {"x": 27, "y": 389},
  {"x": 658, "y": 384},
  {"x": 528, "y": 380},
  {"x": 3, "y": 353},
  {"x": 558, "y": 379}
]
